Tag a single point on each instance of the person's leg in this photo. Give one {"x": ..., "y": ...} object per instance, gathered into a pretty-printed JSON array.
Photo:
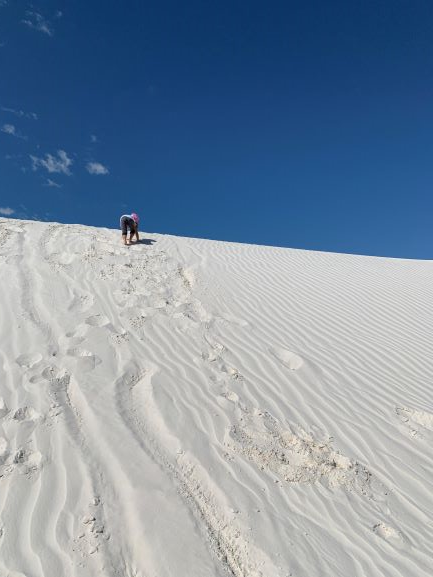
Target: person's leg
[
  {"x": 124, "y": 229},
  {"x": 134, "y": 232},
  {"x": 128, "y": 239}
]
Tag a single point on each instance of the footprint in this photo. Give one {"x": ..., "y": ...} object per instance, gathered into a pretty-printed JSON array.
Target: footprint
[
  {"x": 79, "y": 353},
  {"x": 3, "y": 408},
  {"x": 27, "y": 461},
  {"x": 81, "y": 302},
  {"x": 4, "y": 452},
  {"x": 60, "y": 382},
  {"x": 188, "y": 277},
  {"x": 79, "y": 333},
  {"x": 233, "y": 373},
  {"x": 120, "y": 338},
  {"x": 293, "y": 454},
  {"x": 29, "y": 360},
  {"x": 138, "y": 322},
  {"x": 388, "y": 533},
  {"x": 214, "y": 354},
  {"x": 97, "y": 321},
  {"x": 416, "y": 417},
  {"x": 87, "y": 361},
  {"x": 289, "y": 359},
  {"x": 92, "y": 531},
  {"x": 26, "y": 414},
  {"x": 231, "y": 396},
  {"x": 48, "y": 374}
]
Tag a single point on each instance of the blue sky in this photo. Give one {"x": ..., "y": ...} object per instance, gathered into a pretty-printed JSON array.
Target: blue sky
[{"x": 299, "y": 124}]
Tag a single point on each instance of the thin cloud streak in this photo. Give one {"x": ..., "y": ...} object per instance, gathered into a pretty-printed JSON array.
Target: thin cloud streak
[
  {"x": 12, "y": 131},
  {"x": 50, "y": 183},
  {"x": 38, "y": 22},
  {"x": 20, "y": 113}
]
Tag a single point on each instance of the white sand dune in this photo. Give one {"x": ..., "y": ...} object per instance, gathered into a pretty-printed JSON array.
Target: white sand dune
[{"x": 194, "y": 408}]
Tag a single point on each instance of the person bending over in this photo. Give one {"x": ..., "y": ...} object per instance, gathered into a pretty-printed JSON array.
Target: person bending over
[{"x": 129, "y": 221}]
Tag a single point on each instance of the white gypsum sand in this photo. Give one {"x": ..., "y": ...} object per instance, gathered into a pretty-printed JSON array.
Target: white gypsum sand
[{"x": 194, "y": 408}]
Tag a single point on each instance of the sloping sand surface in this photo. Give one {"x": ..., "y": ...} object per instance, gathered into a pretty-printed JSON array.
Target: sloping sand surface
[{"x": 194, "y": 408}]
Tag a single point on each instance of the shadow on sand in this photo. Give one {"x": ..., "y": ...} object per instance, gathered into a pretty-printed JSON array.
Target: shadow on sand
[{"x": 144, "y": 241}]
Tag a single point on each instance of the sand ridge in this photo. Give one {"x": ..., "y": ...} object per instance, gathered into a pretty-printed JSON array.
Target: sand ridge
[{"x": 190, "y": 407}]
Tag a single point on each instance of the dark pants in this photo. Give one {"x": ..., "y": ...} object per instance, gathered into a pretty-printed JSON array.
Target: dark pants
[{"x": 125, "y": 223}]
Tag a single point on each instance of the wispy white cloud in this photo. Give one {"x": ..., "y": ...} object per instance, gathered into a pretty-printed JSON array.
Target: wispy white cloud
[
  {"x": 38, "y": 22},
  {"x": 93, "y": 138},
  {"x": 11, "y": 129},
  {"x": 52, "y": 184},
  {"x": 96, "y": 168},
  {"x": 3, "y": 3},
  {"x": 8, "y": 129},
  {"x": 6, "y": 211},
  {"x": 60, "y": 164},
  {"x": 20, "y": 113}
]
